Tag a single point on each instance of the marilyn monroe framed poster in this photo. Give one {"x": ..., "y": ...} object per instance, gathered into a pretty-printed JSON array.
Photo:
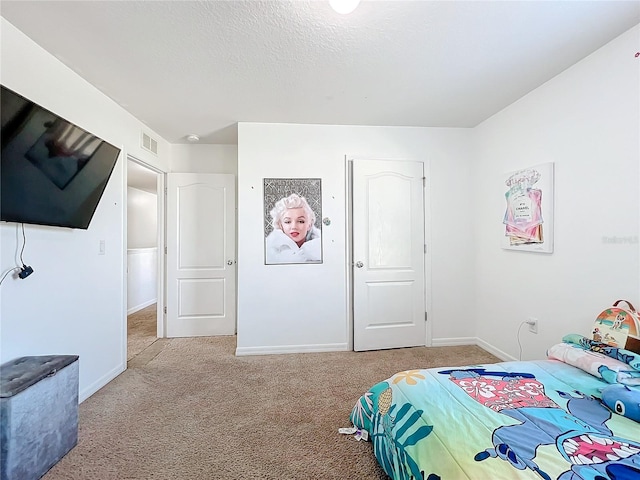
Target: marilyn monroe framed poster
[{"x": 292, "y": 220}]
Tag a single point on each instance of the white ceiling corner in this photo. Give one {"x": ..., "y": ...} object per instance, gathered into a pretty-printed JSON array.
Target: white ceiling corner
[{"x": 199, "y": 67}]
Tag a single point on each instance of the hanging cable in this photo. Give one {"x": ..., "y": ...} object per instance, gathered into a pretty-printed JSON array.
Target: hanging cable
[
  {"x": 24, "y": 242},
  {"x": 25, "y": 270},
  {"x": 519, "y": 344},
  {"x": 8, "y": 272}
]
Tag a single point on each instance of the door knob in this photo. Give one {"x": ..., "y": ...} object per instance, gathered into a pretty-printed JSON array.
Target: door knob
[
  {"x": 359, "y": 264},
  {"x": 229, "y": 262}
]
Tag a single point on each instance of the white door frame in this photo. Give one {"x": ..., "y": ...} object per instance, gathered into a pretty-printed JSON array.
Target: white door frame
[
  {"x": 348, "y": 162},
  {"x": 161, "y": 327},
  {"x": 427, "y": 258},
  {"x": 349, "y": 244}
]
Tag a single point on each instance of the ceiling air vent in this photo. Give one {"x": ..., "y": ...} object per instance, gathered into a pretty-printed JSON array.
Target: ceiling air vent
[{"x": 149, "y": 144}]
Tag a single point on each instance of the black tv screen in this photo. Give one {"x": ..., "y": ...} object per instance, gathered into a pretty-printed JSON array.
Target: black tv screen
[{"x": 52, "y": 172}]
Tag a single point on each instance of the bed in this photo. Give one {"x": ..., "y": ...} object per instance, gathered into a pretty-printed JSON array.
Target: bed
[{"x": 511, "y": 420}]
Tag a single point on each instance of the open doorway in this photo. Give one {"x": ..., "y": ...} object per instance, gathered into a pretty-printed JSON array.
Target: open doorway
[{"x": 144, "y": 252}]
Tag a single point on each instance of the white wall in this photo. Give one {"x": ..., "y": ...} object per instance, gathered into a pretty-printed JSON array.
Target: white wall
[
  {"x": 142, "y": 278},
  {"x": 304, "y": 307},
  {"x": 142, "y": 218},
  {"x": 142, "y": 252},
  {"x": 586, "y": 120},
  {"x": 204, "y": 159},
  {"x": 73, "y": 303}
]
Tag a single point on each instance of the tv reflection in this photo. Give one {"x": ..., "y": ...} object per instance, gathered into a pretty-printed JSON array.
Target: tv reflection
[{"x": 62, "y": 151}]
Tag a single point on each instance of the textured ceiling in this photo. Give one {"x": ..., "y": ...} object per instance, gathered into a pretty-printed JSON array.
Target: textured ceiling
[{"x": 200, "y": 67}]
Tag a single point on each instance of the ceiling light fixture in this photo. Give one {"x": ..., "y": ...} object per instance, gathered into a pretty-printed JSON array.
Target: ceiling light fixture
[
  {"x": 344, "y": 6},
  {"x": 193, "y": 138}
]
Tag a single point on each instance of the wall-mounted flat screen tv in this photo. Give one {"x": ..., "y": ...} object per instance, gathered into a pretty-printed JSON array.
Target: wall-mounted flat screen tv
[{"x": 52, "y": 172}]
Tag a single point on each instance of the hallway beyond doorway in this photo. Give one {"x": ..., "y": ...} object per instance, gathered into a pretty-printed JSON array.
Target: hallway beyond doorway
[{"x": 141, "y": 330}]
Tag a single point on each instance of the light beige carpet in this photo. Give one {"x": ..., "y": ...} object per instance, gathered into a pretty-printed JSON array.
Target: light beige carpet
[
  {"x": 141, "y": 330},
  {"x": 189, "y": 409}
]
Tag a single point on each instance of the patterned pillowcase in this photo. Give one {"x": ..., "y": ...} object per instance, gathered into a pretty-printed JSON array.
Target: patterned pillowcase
[
  {"x": 597, "y": 364},
  {"x": 626, "y": 356}
]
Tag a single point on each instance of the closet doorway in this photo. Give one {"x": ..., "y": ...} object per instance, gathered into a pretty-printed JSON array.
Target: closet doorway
[
  {"x": 388, "y": 254},
  {"x": 145, "y": 265}
]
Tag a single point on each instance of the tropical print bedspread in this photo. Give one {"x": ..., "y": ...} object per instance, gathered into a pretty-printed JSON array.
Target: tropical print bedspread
[{"x": 511, "y": 420}]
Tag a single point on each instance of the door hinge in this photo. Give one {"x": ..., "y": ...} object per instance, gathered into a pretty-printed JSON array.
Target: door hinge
[
  {"x": 425, "y": 316},
  {"x": 425, "y": 248},
  {"x": 165, "y": 250},
  {"x": 165, "y": 309},
  {"x": 424, "y": 182}
]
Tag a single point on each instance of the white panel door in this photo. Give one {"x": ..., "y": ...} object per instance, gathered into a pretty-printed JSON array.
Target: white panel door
[
  {"x": 388, "y": 254},
  {"x": 201, "y": 266}
]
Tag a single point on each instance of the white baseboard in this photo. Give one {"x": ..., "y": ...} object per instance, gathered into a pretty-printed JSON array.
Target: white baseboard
[
  {"x": 453, "y": 342},
  {"x": 141, "y": 306},
  {"x": 505, "y": 357},
  {"x": 274, "y": 350},
  {"x": 456, "y": 341},
  {"x": 101, "y": 382},
  {"x": 340, "y": 347}
]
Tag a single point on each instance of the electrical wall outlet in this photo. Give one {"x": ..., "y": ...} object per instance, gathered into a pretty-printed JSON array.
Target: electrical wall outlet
[{"x": 533, "y": 324}]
